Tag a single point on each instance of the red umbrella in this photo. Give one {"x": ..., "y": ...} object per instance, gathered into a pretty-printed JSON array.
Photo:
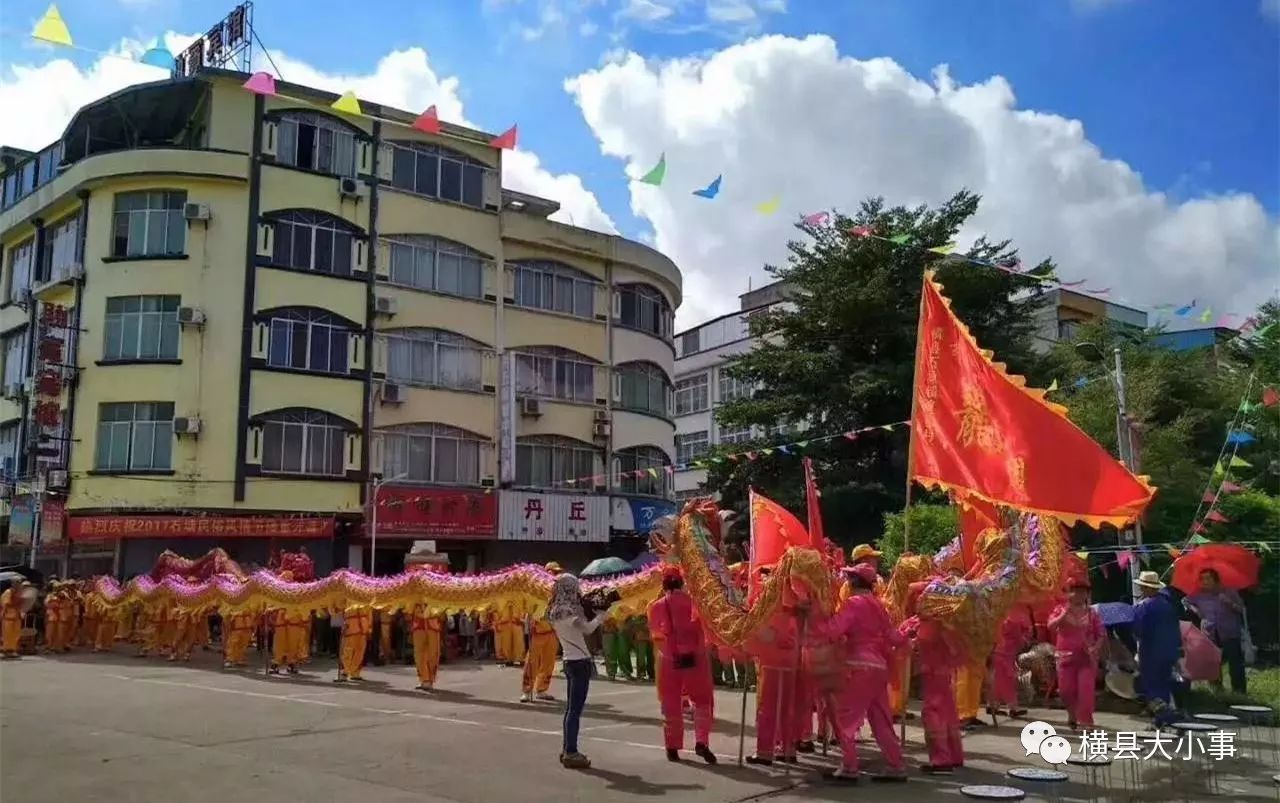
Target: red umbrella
[{"x": 1236, "y": 566}]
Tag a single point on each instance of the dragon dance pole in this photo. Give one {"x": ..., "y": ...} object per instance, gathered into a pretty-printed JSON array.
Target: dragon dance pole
[
  {"x": 906, "y": 508},
  {"x": 751, "y": 561}
]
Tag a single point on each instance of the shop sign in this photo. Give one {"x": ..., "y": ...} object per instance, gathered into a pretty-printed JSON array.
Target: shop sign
[{"x": 532, "y": 516}]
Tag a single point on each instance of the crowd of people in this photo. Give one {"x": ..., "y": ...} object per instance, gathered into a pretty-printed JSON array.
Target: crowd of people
[{"x": 815, "y": 675}]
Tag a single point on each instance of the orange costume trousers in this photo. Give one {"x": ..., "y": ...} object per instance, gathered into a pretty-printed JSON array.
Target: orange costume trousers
[
  {"x": 510, "y": 637},
  {"x": 10, "y": 631},
  {"x": 540, "y": 662},
  {"x": 426, "y": 654},
  {"x": 352, "y": 658},
  {"x": 105, "y": 636},
  {"x": 968, "y": 689}
]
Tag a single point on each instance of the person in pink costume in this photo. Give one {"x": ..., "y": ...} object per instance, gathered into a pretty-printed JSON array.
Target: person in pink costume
[
  {"x": 683, "y": 668},
  {"x": 774, "y": 647},
  {"x": 1015, "y": 632},
  {"x": 870, "y": 642},
  {"x": 1078, "y": 638},
  {"x": 938, "y": 658}
]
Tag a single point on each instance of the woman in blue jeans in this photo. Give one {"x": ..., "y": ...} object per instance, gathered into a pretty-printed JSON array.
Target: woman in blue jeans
[{"x": 572, "y": 626}]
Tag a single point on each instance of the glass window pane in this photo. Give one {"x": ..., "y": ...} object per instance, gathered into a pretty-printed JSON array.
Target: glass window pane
[
  {"x": 342, "y": 253},
  {"x": 143, "y": 441},
  {"x": 282, "y": 247},
  {"x": 317, "y": 450},
  {"x": 446, "y": 460},
  {"x": 169, "y": 331},
  {"x": 473, "y": 185},
  {"x": 149, "y": 336},
  {"x": 337, "y": 442},
  {"x": 324, "y": 250},
  {"x": 427, "y": 180},
  {"x": 163, "y": 455},
  {"x": 319, "y": 357},
  {"x": 338, "y": 350},
  {"x": 425, "y": 261},
  {"x": 447, "y": 272},
  {"x": 111, "y": 340},
  {"x": 584, "y": 299},
  {"x": 157, "y": 220},
  {"x": 279, "y": 349},
  {"x": 301, "y": 257},
  {"x": 176, "y": 233},
  {"x": 420, "y": 458},
  {"x": 298, "y": 351},
  {"x": 137, "y": 241},
  {"x": 402, "y": 168},
  {"x": 129, "y": 346},
  {"x": 450, "y": 180},
  {"x": 291, "y": 459},
  {"x": 470, "y": 277}
]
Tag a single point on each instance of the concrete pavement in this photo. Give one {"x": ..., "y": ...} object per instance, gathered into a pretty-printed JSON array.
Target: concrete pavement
[{"x": 114, "y": 728}]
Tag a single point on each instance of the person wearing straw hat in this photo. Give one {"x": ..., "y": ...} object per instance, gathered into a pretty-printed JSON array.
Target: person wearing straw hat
[{"x": 1159, "y": 636}]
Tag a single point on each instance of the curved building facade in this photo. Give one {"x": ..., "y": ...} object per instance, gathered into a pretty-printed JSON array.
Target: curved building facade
[{"x": 253, "y": 322}]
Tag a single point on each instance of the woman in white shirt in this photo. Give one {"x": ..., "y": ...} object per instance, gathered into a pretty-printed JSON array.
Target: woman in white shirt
[{"x": 572, "y": 626}]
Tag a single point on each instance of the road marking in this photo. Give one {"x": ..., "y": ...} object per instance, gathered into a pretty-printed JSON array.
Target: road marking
[
  {"x": 605, "y": 727},
  {"x": 620, "y": 693}
]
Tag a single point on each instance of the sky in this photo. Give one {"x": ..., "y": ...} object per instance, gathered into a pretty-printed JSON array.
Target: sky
[{"x": 1135, "y": 142}]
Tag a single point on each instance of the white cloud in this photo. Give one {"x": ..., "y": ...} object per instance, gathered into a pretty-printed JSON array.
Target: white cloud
[
  {"x": 648, "y": 10},
  {"x": 50, "y": 92},
  {"x": 792, "y": 118}
]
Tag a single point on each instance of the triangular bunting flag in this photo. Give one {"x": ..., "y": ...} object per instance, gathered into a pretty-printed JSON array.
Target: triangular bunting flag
[
  {"x": 816, "y": 219},
  {"x": 347, "y": 104},
  {"x": 656, "y": 173},
  {"x": 943, "y": 249},
  {"x": 784, "y": 449},
  {"x": 1082, "y": 555},
  {"x": 1199, "y": 539},
  {"x": 1209, "y": 497},
  {"x": 1270, "y": 397},
  {"x": 887, "y": 427},
  {"x": 1265, "y": 547},
  {"x": 900, "y": 239},
  {"x": 1240, "y": 438},
  {"x": 52, "y": 29},
  {"x": 1123, "y": 558},
  {"x": 1207, "y": 315},
  {"x": 1175, "y": 553},
  {"x": 1185, "y": 310},
  {"x": 750, "y": 455},
  {"x": 711, "y": 190},
  {"x": 1041, "y": 272},
  {"x": 429, "y": 121},
  {"x": 158, "y": 57},
  {"x": 1106, "y": 571},
  {"x": 653, "y": 472},
  {"x": 851, "y": 436},
  {"x": 1052, "y": 386},
  {"x": 769, "y": 207},
  {"x": 1238, "y": 462},
  {"x": 505, "y": 141},
  {"x": 1264, "y": 330},
  {"x": 1218, "y": 469},
  {"x": 860, "y": 231},
  {"x": 803, "y": 445},
  {"x": 261, "y": 83},
  {"x": 1230, "y": 488},
  {"x": 1217, "y": 518},
  {"x": 766, "y": 451}
]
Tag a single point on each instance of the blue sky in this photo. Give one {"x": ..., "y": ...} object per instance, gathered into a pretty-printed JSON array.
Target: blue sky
[{"x": 1182, "y": 91}]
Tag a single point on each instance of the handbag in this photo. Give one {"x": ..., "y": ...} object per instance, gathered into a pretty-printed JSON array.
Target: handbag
[
  {"x": 1247, "y": 647},
  {"x": 683, "y": 660}
]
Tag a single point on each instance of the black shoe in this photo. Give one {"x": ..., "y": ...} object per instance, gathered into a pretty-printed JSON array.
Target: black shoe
[
  {"x": 673, "y": 755},
  {"x": 1073, "y": 725},
  {"x": 789, "y": 760},
  {"x": 705, "y": 753},
  {"x": 936, "y": 769},
  {"x": 759, "y": 761},
  {"x": 805, "y": 747}
]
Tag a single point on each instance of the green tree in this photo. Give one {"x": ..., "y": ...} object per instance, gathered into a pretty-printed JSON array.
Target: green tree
[
  {"x": 932, "y": 527},
  {"x": 840, "y": 355}
]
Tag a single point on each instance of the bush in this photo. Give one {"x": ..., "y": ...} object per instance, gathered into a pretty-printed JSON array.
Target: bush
[{"x": 932, "y": 526}]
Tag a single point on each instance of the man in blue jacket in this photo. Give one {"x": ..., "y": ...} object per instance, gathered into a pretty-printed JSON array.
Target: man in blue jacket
[{"x": 1155, "y": 626}]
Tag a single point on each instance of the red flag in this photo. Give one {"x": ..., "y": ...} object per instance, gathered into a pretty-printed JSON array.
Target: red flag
[
  {"x": 1270, "y": 397},
  {"x": 428, "y": 121},
  {"x": 814, "y": 504},
  {"x": 773, "y": 531},
  {"x": 975, "y": 517},
  {"x": 979, "y": 432},
  {"x": 506, "y": 140}
]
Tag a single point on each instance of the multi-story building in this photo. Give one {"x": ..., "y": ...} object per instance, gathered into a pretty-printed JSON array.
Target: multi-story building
[
  {"x": 703, "y": 355},
  {"x": 253, "y": 322},
  {"x": 1065, "y": 311}
]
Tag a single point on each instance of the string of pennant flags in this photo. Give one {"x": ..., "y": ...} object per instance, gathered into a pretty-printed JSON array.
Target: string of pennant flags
[
  {"x": 51, "y": 29},
  {"x": 1126, "y": 555}
]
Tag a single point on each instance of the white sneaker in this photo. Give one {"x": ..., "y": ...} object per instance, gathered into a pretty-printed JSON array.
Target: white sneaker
[{"x": 526, "y": 698}]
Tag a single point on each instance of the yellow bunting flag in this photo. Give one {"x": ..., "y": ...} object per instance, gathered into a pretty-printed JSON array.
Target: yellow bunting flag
[
  {"x": 52, "y": 29},
  {"x": 887, "y": 427},
  {"x": 1082, "y": 555},
  {"x": 769, "y": 207},
  {"x": 943, "y": 249},
  {"x": 653, "y": 472},
  {"x": 347, "y": 104},
  {"x": 1207, "y": 315},
  {"x": 1052, "y": 386},
  {"x": 1239, "y": 462}
]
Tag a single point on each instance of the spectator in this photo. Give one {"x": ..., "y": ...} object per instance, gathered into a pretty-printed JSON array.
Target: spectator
[{"x": 1221, "y": 613}]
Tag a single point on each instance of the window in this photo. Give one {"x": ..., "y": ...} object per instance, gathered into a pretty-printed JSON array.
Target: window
[
  {"x": 316, "y": 142},
  {"x": 550, "y": 461},
  {"x": 308, "y": 340},
  {"x": 689, "y": 343},
  {"x": 644, "y": 308},
  {"x": 643, "y": 386},
  {"x": 642, "y": 470},
  {"x": 692, "y": 394},
  {"x": 141, "y": 328},
  {"x": 9, "y": 449},
  {"x": 135, "y": 436},
  {"x": 62, "y": 242},
  {"x": 434, "y": 453},
  {"x": 691, "y": 445},
  {"x": 740, "y": 434},
  {"x": 27, "y": 178},
  {"x": 555, "y": 373},
  {"x": 436, "y": 264},
  {"x": 149, "y": 224},
  {"x": 781, "y": 429},
  {"x": 13, "y": 346},
  {"x": 10, "y": 190},
  {"x": 437, "y": 172},
  {"x": 303, "y": 442},
  {"x": 436, "y": 358},
  {"x": 555, "y": 287},
  {"x": 732, "y": 389},
  {"x": 18, "y": 277},
  {"x": 312, "y": 241}
]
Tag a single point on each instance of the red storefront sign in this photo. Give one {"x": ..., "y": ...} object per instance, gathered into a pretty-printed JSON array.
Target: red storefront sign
[
  {"x": 436, "y": 512},
  {"x": 99, "y": 528}
]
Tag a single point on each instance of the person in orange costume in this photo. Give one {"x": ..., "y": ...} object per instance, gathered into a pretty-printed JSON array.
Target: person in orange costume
[
  {"x": 108, "y": 622},
  {"x": 540, "y": 662},
  {"x": 385, "y": 619},
  {"x": 55, "y": 608},
  {"x": 286, "y": 647},
  {"x": 427, "y": 632},
  {"x": 237, "y": 632},
  {"x": 11, "y": 619},
  {"x": 683, "y": 667},
  {"x": 90, "y": 621},
  {"x": 510, "y": 634},
  {"x": 190, "y": 632},
  {"x": 357, "y": 625}
]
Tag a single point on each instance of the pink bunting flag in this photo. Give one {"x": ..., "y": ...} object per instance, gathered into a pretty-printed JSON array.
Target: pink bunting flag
[
  {"x": 506, "y": 140},
  {"x": 860, "y": 231},
  {"x": 1102, "y": 291},
  {"x": 429, "y": 121},
  {"x": 1199, "y": 528},
  {"x": 1216, "y": 517},
  {"x": 751, "y": 455},
  {"x": 1123, "y": 558},
  {"x": 1073, "y": 284},
  {"x": 1229, "y": 487},
  {"x": 851, "y": 436},
  {"x": 817, "y": 219},
  {"x": 1209, "y": 497},
  {"x": 1105, "y": 571},
  {"x": 261, "y": 83}
]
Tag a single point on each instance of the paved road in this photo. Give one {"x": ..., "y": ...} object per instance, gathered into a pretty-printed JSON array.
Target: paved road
[{"x": 88, "y": 728}]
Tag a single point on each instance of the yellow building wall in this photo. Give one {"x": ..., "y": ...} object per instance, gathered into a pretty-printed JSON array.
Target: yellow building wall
[
  {"x": 204, "y": 384},
  {"x": 525, "y": 328},
  {"x": 274, "y": 390},
  {"x": 282, "y": 288},
  {"x": 635, "y": 429},
  {"x": 402, "y": 213},
  {"x": 515, "y": 251},
  {"x": 309, "y": 496},
  {"x": 570, "y": 420},
  {"x": 286, "y": 188},
  {"x": 415, "y": 308},
  {"x": 632, "y": 346},
  {"x": 231, "y": 117},
  {"x": 474, "y": 412}
]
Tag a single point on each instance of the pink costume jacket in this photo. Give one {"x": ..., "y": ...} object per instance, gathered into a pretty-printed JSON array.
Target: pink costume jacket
[
  {"x": 870, "y": 639},
  {"x": 1076, "y": 638},
  {"x": 674, "y": 623},
  {"x": 1015, "y": 632}
]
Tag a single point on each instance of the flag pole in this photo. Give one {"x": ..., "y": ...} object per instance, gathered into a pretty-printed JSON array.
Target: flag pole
[
  {"x": 906, "y": 509},
  {"x": 751, "y": 561}
]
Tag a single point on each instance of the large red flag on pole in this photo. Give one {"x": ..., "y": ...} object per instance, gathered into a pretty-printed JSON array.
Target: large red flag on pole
[
  {"x": 980, "y": 432},
  {"x": 814, "y": 504}
]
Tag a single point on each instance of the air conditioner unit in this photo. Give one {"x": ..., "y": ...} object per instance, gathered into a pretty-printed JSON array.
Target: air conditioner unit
[
  {"x": 384, "y": 305},
  {"x": 190, "y": 316},
  {"x": 530, "y": 406},
  {"x": 348, "y": 188},
  {"x": 75, "y": 270},
  {"x": 392, "y": 393},
  {"x": 186, "y": 425},
  {"x": 192, "y": 211},
  {"x": 602, "y": 415},
  {"x": 601, "y": 429},
  {"x": 58, "y": 479}
]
